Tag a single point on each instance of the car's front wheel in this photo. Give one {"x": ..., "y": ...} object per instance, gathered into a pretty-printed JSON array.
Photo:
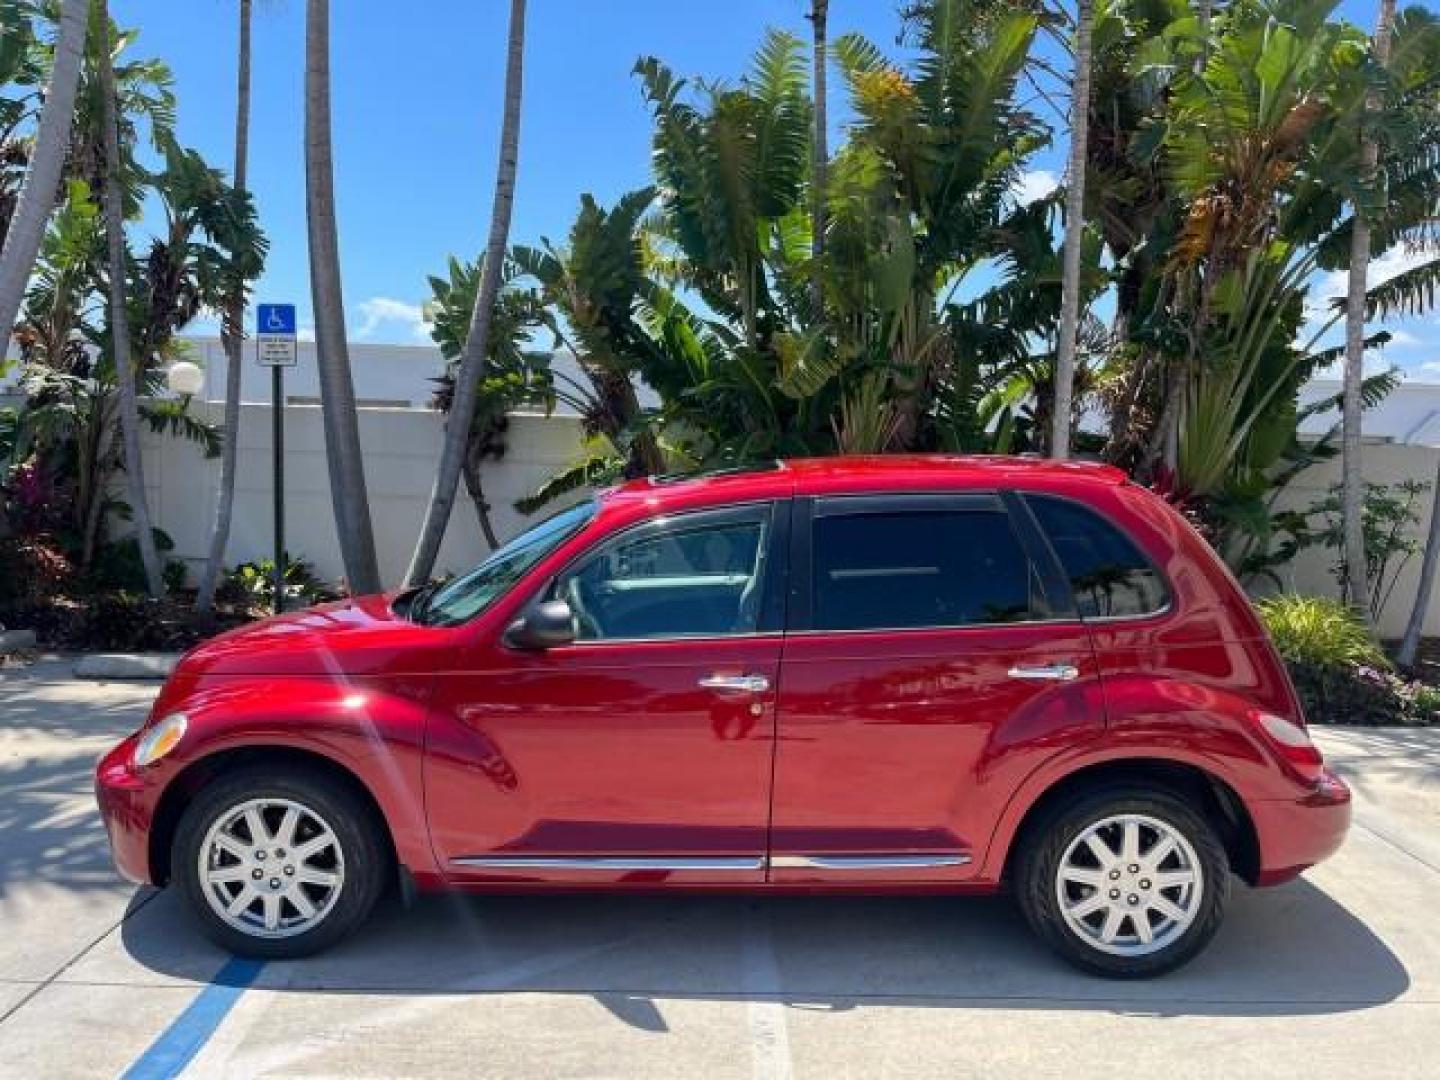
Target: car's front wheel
[
  {"x": 1124, "y": 882},
  {"x": 278, "y": 862}
]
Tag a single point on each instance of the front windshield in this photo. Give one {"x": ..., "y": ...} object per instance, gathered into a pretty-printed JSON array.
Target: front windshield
[{"x": 469, "y": 595}]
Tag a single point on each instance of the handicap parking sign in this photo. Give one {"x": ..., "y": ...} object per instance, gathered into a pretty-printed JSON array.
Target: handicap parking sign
[{"x": 275, "y": 335}]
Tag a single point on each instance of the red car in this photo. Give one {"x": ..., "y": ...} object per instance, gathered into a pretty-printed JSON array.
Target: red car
[{"x": 893, "y": 674}]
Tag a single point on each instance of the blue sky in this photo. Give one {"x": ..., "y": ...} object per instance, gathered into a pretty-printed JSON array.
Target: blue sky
[{"x": 417, "y": 95}]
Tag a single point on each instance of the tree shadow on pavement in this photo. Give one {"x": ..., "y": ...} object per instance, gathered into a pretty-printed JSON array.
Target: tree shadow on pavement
[{"x": 50, "y": 740}]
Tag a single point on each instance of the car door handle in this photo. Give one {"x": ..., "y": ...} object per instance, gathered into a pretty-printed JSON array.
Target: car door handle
[
  {"x": 736, "y": 684},
  {"x": 1053, "y": 672}
]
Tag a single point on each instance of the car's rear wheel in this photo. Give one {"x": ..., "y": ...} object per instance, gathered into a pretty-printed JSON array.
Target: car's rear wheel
[
  {"x": 1124, "y": 882},
  {"x": 279, "y": 862}
]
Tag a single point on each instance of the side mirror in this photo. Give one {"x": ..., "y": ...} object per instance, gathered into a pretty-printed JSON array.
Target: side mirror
[{"x": 544, "y": 626}]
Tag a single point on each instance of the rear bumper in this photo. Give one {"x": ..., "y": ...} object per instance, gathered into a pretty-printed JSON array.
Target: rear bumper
[
  {"x": 1295, "y": 834},
  {"x": 127, "y": 806}
]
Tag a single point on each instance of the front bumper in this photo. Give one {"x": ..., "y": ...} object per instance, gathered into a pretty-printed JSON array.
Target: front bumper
[
  {"x": 127, "y": 806},
  {"x": 1295, "y": 834}
]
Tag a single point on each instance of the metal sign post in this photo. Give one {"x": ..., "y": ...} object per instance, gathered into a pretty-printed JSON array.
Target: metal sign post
[{"x": 275, "y": 348}]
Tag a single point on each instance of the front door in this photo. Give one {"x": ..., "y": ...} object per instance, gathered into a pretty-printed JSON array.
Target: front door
[
  {"x": 641, "y": 752},
  {"x": 922, "y": 650}
]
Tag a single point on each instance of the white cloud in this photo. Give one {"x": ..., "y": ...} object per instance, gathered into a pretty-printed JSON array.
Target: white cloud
[
  {"x": 1334, "y": 284},
  {"x": 1375, "y": 364},
  {"x": 381, "y": 313},
  {"x": 1035, "y": 184}
]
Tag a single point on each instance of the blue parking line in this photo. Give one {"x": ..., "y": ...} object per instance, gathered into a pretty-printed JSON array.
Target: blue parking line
[{"x": 188, "y": 1033}]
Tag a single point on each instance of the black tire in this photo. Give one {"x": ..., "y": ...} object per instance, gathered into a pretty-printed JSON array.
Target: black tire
[
  {"x": 1039, "y": 862},
  {"x": 366, "y": 855}
]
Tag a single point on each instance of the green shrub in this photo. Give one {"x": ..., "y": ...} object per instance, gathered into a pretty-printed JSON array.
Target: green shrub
[
  {"x": 254, "y": 583},
  {"x": 32, "y": 569},
  {"x": 1339, "y": 672},
  {"x": 1357, "y": 694},
  {"x": 1427, "y": 703},
  {"x": 1318, "y": 631},
  {"x": 119, "y": 568}
]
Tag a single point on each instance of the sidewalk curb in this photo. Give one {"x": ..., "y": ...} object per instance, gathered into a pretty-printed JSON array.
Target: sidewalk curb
[
  {"x": 13, "y": 641},
  {"x": 140, "y": 667}
]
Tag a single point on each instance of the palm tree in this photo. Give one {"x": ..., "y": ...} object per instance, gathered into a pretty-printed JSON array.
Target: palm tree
[
  {"x": 472, "y": 360},
  {"x": 596, "y": 285},
  {"x": 47, "y": 162},
  {"x": 1074, "y": 234},
  {"x": 819, "y": 20},
  {"x": 1352, "y": 482},
  {"x": 337, "y": 388},
  {"x": 118, "y": 268},
  {"x": 233, "y": 338}
]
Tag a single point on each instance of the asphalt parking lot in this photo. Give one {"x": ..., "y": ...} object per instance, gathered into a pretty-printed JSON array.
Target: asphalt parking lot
[{"x": 1338, "y": 971}]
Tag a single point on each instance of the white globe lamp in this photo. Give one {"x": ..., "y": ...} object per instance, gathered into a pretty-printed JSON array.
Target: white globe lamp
[{"x": 185, "y": 378}]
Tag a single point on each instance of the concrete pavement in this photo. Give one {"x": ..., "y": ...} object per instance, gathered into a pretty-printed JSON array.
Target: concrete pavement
[{"x": 1338, "y": 971}]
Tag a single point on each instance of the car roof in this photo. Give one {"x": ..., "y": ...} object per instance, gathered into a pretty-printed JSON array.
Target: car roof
[{"x": 859, "y": 474}]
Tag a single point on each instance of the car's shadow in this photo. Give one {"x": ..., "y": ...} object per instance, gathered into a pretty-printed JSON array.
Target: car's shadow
[{"x": 1286, "y": 951}]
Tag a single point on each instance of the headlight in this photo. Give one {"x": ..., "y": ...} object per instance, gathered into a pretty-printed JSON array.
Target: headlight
[{"x": 159, "y": 740}]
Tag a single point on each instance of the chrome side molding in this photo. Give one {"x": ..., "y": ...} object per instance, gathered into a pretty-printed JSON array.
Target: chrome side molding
[
  {"x": 623, "y": 862},
  {"x": 866, "y": 862},
  {"x": 725, "y": 864}
]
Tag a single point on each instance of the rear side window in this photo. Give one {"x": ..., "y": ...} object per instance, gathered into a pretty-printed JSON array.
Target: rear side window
[
  {"x": 906, "y": 569},
  {"x": 1108, "y": 575}
]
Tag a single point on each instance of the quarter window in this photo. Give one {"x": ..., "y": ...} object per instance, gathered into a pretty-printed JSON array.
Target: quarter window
[
  {"x": 906, "y": 569},
  {"x": 696, "y": 576},
  {"x": 1108, "y": 575}
]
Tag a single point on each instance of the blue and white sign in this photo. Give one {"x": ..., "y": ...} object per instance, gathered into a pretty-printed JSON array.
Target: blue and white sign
[{"x": 275, "y": 335}]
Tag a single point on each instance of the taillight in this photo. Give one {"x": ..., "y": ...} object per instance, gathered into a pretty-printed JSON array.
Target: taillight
[{"x": 1293, "y": 744}]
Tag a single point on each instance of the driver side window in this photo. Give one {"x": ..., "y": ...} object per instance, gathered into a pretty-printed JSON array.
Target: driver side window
[{"x": 695, "y": 575}]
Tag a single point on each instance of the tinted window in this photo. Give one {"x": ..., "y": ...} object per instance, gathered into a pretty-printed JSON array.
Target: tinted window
[
  {"x": 918, "y": 568},
  {"x": 1108, "y": 575},
  {"x": 682, "y": 578}
]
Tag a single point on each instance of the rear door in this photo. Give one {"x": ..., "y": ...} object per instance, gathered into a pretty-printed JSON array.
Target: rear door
[{"x": 925, "y": 633}]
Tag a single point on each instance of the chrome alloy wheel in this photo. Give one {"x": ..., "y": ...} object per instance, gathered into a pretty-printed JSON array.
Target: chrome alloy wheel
[
  {"x": 271, "y": 868},
  {"x": 1129, "y": 885}
]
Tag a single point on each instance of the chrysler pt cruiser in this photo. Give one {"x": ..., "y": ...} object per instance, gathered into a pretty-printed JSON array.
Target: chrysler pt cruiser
[{"x": 897, "y": 674}]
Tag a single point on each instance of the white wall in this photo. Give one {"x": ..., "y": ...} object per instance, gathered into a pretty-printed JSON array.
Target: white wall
[
  {"x": 1408, "y": 414},
  {"x": 1382, "y": 463},
  {"x": 403, "y": 445},
  {"x": 401, "y": 449},
  {"x": 393, "y": 376},
  {"x": 386, "y": 376}
]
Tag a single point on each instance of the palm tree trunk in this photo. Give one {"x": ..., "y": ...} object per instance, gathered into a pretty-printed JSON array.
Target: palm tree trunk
[
  {"x": 819, "y": 19},
  {"x": 47, "y": 162},
  {"x": 472, "y": 360},
  {"x": 1355, "y": 587},
  {"x": 1203, "y": 11},
  {"x": 475, "y": 488},
  {"x": 1410, "y": 643},
  {"x": 119, "y": 316},
  {"x": 94, "y": 472},
  {"x": 1074, "y": 234},
  {"x": 337, "y": 388},
  {"x": 232, "y": 338}
]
